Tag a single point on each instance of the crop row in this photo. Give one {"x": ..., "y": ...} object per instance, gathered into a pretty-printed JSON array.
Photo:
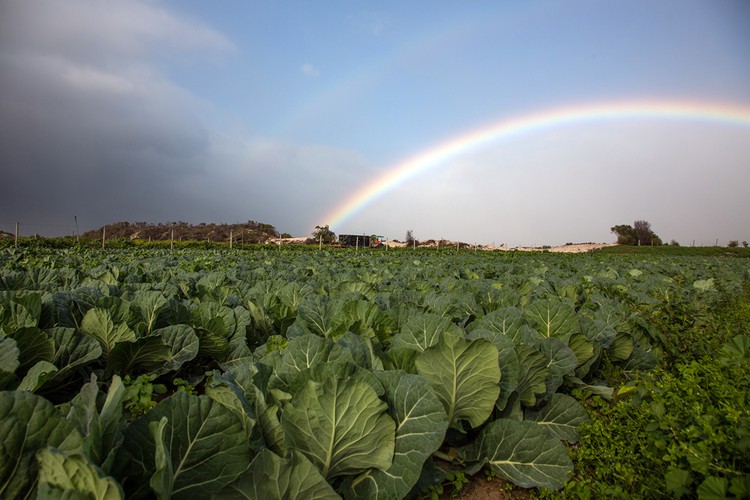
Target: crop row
[{"x": 315, "y": 374}]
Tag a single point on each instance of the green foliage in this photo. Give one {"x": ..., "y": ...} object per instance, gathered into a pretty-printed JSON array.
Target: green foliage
[
  {"x": 677, "y": 431},
  {"x": 625, "y": 234},
  {"x": 639, "y": 233},
  {"x": 65, "y": 475},
  {"x": 156, "y": 235},
  {"x": 271, "y": 476},
  {"x": 187, "y": 446},
  {"x": 28, "y": 424},
  {"x": 184, "y": 385},
  {"x": 292, "y": 366},
  {"x": 457, "y": 480},
  {"x": 521, "y": 452},
  {"x": 699, "y": 422},
  {"x": 420, "y": 429},
  {"x": 674, "y": 250},
  {"x": 464, "y": 375},
  {"x": 454, "y": 482},
  {"x": 141, "y": 392},
  {"x": 341, "y": 426}
]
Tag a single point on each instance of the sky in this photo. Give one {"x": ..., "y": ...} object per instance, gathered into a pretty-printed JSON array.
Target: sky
[{"x": 517, "y": 123}]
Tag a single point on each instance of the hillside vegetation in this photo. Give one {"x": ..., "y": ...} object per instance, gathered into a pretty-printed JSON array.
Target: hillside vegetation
[{"x": 245, "y": 232}]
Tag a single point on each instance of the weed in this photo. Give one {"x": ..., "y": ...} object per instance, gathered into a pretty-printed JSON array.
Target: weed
[{"x": 141, "y": 392}]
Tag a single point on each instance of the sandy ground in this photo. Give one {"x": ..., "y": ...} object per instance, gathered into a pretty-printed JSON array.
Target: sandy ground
[
  {"x": 577, "y": 248},
  {"x": 287, "y": 241}
]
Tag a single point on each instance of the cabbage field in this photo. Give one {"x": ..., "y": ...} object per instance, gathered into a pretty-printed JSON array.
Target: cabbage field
[{"x": 293, "y": 373}]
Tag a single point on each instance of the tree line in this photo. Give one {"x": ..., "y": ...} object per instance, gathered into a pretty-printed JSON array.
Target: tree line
[{"x": 246, "y": 232}]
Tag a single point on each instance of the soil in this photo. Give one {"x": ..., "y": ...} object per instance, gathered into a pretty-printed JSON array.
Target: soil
[{"x": 479, "y": 488}]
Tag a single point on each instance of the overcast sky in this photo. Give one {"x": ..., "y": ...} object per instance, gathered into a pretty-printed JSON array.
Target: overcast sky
[{"x": 229, "y": 111}]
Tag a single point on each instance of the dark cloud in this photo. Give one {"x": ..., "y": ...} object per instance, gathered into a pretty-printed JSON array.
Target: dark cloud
[
  {"x": 92, "y": 126},
  {"x": 89, "y": 126}
]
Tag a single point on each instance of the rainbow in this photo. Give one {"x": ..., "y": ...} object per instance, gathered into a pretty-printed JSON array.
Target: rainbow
[{"x": 439, "y": 155}]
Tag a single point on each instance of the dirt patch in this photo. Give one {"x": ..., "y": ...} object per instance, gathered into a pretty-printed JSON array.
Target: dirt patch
[
  {"x": 584, "y": 247},
  {"x": 395, "y": 244},
  {"x": 479, "y": 488}
]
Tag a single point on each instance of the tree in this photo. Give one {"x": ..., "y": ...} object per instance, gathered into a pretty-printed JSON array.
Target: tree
[
  {"x": 410, "y": 237},
  {"x": 625, "y": 234},
  {"x": 324, "y": 233},
  {"x": 643, "y": 233},
  {"x": 639, "y": 233}
]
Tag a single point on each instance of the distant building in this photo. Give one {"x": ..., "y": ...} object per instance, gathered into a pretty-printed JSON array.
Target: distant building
[{"x": 361, "y": 240}]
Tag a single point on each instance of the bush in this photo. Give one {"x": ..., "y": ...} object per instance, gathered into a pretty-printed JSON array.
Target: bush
[{"x": 683, "y": 429}]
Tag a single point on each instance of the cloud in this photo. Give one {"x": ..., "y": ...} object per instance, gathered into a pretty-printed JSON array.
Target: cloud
[
  {"x": 91, "y": 124},
  {"x": 573, "y": 183},
  {"x": 105, "y": 33},
  {"x": 309, "y": 70},
  {"x": 290, "y": 185}
]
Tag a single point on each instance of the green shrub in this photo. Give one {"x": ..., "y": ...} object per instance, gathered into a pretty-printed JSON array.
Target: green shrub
[{"x": 671, "y": 433}]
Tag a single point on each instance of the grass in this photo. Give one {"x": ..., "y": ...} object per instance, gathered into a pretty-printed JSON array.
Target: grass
[
  {"x": 669, "y": 250},
  {"x": 680, "y": 430}
]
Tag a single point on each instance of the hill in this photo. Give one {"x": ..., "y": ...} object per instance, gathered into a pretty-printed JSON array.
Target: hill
[{"x": 246, "y": 232}]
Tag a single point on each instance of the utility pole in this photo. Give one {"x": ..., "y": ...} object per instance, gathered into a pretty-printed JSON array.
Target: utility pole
[
  {"x": 104, "y": 235},
  {"x": 78, "y": 236},
  {"x": 231, "y": 237},
  {"x": 16, "y": 244}
]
